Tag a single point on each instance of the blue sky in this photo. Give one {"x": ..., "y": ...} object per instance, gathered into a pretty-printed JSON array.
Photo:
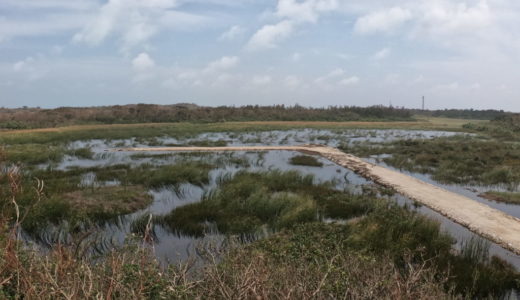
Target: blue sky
[{"x": 457, "y": 53}]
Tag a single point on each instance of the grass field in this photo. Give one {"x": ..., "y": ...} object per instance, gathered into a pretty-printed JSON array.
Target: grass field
[{"x": 123, "y": 131}]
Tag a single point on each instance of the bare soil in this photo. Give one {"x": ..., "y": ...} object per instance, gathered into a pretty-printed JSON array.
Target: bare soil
[{"x": 486, "y": 221}]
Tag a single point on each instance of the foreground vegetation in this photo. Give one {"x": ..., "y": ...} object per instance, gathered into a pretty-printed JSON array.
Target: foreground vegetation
[{"x": 387, "y": 251}]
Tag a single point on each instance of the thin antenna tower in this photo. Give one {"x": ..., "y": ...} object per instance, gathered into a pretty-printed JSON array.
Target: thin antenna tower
[{"x": 422, "y": 102}]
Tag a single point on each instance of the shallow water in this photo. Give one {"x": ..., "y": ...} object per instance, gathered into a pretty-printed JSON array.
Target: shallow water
[{"x": 171, "y": 247}]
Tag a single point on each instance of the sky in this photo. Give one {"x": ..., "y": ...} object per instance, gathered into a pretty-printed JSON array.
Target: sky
[{"x": 456, "y": 53}]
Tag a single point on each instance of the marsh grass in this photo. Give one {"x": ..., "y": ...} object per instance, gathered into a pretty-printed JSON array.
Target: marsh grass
[
  {"x": 85, "y": 153},
  {"x": 65, "y": 199},
  {"x": 83, "y": 206},
  {"x": 505, "y": 197},
  {"x": 457, "y": 159},
  {"x": 188, "y": 130},
  {"x": 389, "y": 253},
  {"x": 305, "y": 160},
  {"x": 249, "y": 202},
  {"x": 33, "y": 154},
  {"x": 393, "y": 230},
  {"x": 149, "y": 175}
]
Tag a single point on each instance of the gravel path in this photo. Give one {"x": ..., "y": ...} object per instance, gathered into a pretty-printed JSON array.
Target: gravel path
[{"x": 491, "y": 223}]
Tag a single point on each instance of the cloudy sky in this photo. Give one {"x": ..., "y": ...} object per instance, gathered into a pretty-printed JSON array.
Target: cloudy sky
[{"x": 457, "y": 53}]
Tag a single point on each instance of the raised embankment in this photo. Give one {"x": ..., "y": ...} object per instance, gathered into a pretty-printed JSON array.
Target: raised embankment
[{"x": 488, "y": 222}]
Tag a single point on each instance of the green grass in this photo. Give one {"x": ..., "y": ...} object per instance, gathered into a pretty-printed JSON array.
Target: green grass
[
  {"x": 249, "y": 202},
  {"x": 305, "y": 160},
  {"x": 505, "y": 197},
  {"x": 187, "y": 130},
  {"x": 86, "y": 205},
  {"x": 33, "y": 154},
  {"x": 64, "y": 199},
  {"x": 85, "y": 153},
  {"x": 384, "y": 250},
  {"x": 458, "y": 159}
]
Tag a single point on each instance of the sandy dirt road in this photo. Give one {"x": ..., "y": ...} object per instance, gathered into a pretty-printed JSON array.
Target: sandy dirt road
[{"x": 488, "y": 222}]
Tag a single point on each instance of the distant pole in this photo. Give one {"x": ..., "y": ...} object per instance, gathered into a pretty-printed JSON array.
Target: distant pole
[{"x": 422, "y": 102}]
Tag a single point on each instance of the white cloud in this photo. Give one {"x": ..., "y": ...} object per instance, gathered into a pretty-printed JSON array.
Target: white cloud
[
  {"x": 222, "y": 64},
  {"x": 23, "y": 64},
  {"x": 304, "y": 11},
  {"x": 336, "y": 77},
  {"x": 382, "y": 54},
  {"x": 54, "y": 4},
  {"x": 475, "y": 86},
  {"x": 447, "y": 87},
  {"x": 382, "y": 21},
  {"x": 418, "y": 79},
  {"x": 134, "y": 22},
  {"x": 344, "y": 56},
  {"x": 270, "y": 35},
  {"x": 292, "y": 13},
  {"x": 292, "y": 82},
  {"x": 296, "y": 57},
  {"x": 143, "y": 62},
  {"x": 393, "y": 79},
  {"x": 447, "y": 18},
  {"x": 331, "y": 75},
  {"x": 31, "y": 68},
  {"x": 353, "y": 80},
  {"x": 103, "y": 24},
  {"x": 261, "y": 80},
  {"x": 223, "y": 80},
  {"x": 45, "y": 25},
  {"x": 232, "y": 33}
]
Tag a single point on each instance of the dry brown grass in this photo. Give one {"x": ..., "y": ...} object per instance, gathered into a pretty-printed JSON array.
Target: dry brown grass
[
  {"x": 109, "y": 199},
  {"x": 343, "y": 276}
]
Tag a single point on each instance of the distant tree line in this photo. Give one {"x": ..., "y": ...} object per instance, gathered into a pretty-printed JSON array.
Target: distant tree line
[
  {"x": 21, "y": 118},
  {"x": 488, "y": 114}
]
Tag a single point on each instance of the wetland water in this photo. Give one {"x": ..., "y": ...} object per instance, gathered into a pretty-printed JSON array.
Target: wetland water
[{"x": 172, "y": 246}]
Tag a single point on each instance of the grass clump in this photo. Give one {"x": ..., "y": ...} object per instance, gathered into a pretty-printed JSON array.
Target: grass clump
[
  {"x": 85, "y": 153},
  {"x": 208, "y": 143},
  {"x": 109, "y": 200},
  {"x": 305, "y": 160},
  {"x": 65, "y": 199},
  {"x": 246, "y": 202},
  {"x": 86, "y": 205},
  {"x": 273, "y": 200},
  {"x": 154, "y": 177},
  {"x": 505, "y": 197},
  {"x": 33, "y": 154}
]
